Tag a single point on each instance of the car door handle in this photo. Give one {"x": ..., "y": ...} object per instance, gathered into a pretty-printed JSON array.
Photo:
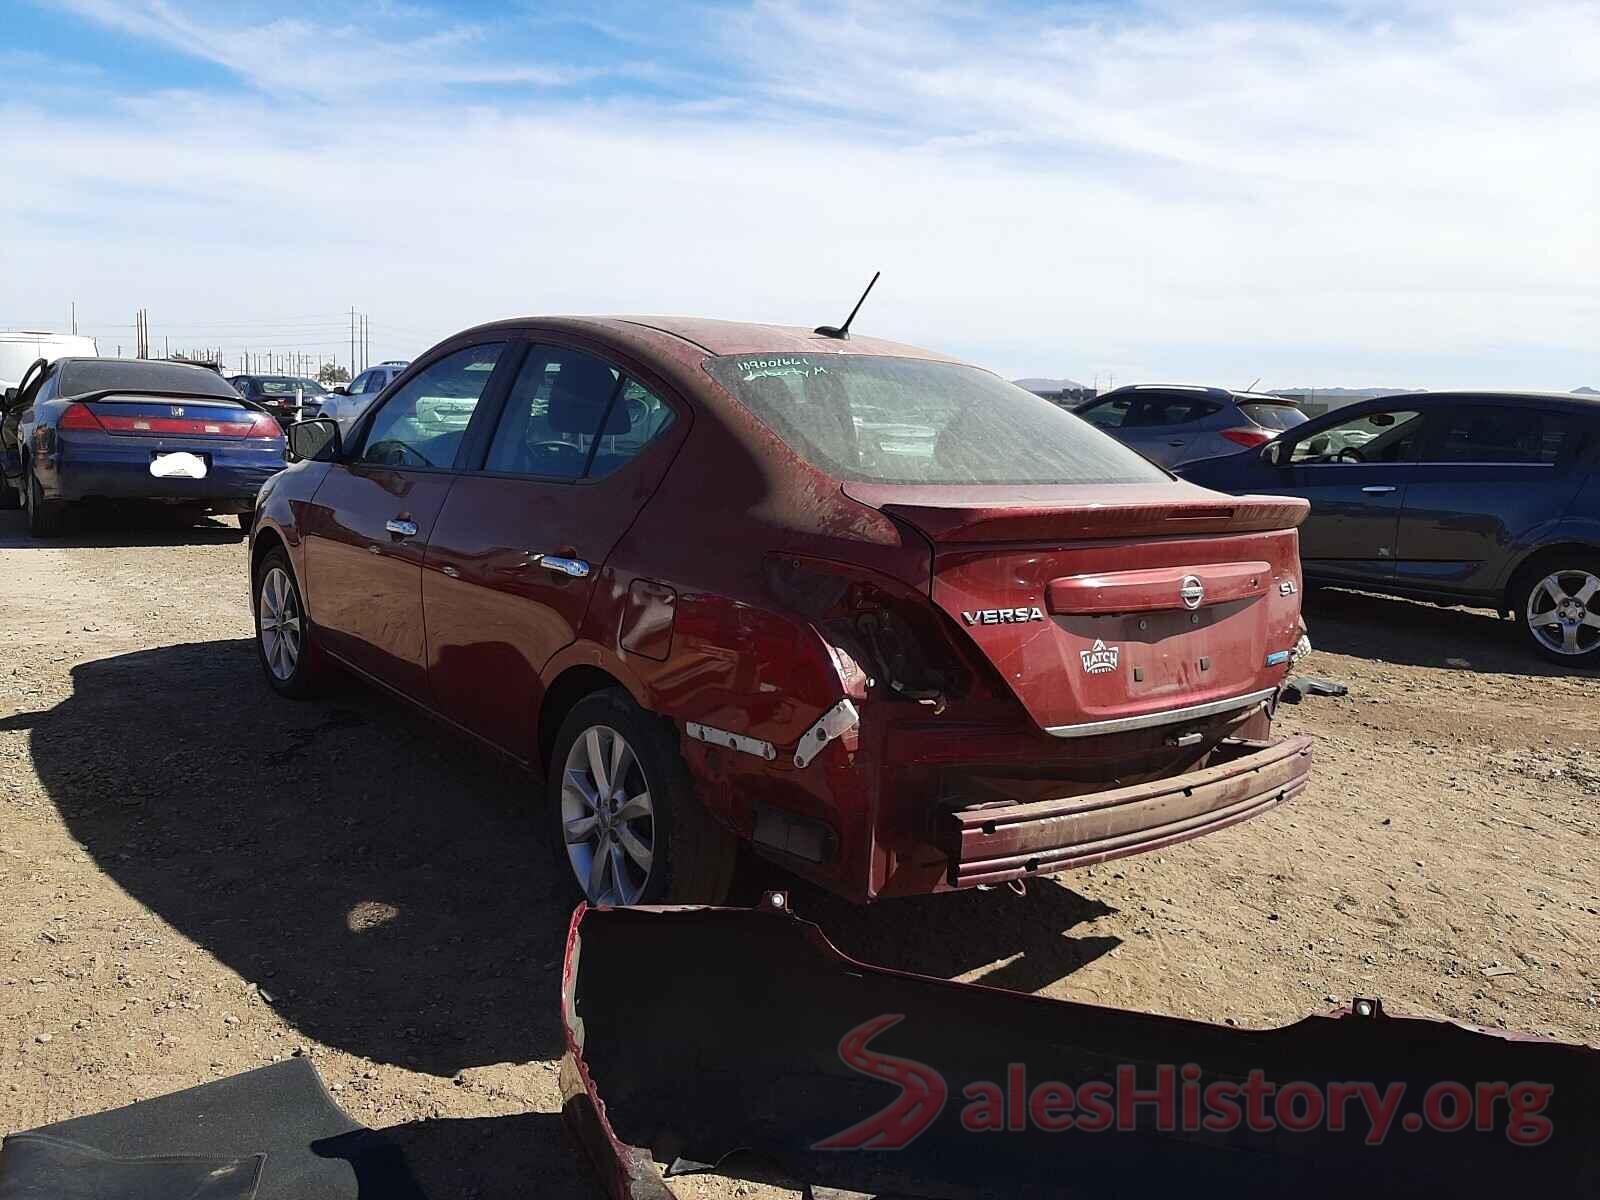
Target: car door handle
[
  {"x": 1377, "y": 489},
  {"x": 401, "y": 528},
  {"x": 574, "y": 567}
]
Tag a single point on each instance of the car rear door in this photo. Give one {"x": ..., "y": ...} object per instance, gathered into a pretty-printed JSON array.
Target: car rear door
[
  {"x": 516, "y": 554},
  {"x": 1489, "y": 475},
  {"x": 368, "y": 525},
  {"x": 1354, "y": 469},
  {"x": 1163, "y": 425}
]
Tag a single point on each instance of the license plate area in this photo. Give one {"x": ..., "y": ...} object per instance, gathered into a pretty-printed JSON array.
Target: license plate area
[{"x": 179, "y": 464}]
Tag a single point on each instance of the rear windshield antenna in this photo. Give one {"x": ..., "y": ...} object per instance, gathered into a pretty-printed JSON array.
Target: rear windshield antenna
[{"x": 843, "y": 331}]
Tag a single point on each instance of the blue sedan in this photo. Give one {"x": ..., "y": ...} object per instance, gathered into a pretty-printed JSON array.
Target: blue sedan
[{"x": 122, "y": 430}]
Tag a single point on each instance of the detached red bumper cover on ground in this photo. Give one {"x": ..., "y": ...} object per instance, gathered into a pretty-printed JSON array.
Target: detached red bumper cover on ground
[{"x": 742, "y": 1037}]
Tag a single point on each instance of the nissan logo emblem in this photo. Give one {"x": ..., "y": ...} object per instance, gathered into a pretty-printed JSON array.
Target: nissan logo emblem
[{"x": 1191, "y": 591}]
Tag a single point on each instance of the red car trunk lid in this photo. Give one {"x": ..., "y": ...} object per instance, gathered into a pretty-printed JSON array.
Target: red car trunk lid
[{"x": 1112, "y": 604}]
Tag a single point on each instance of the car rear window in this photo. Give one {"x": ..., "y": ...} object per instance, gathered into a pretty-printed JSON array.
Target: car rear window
[
  {"x": 287, "y": 387},
  {"x": 1273, "y": 416},
  {"x": 877, "y": 419},
  {"x": 105, "y": 374}
]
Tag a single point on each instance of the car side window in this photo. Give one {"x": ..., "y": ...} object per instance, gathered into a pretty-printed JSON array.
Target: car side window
[
  {"x": 637, "y": 418},
  {"x": 423, "y": 423},
  {"x": 1482, "y": 434},
  {"x": 1157, "y": 411},
  {"x": 1109, "y": 414},
  {"x": 1376, "y": 437},
  {"x": 553, "y": 415},
  {"x": 358, "y": 385}
]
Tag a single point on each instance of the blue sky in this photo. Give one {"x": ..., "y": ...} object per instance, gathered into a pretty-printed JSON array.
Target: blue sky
[{"x": 1358, "y": 194}]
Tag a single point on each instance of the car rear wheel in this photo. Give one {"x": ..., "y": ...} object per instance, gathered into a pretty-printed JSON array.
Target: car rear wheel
[
  {"x": 45, "y": 517},
  {"x": 1560, "y": 610},
  {"x": 284, "y": 642},
  {"x": 629, "y": 828}
]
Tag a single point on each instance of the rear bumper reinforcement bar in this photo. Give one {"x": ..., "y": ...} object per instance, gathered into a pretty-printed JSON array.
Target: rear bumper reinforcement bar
[{"x": 992, "y": 845}]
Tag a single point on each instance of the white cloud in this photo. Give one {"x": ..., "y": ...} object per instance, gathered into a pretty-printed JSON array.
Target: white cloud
[{"x": 1205, "y": 194}]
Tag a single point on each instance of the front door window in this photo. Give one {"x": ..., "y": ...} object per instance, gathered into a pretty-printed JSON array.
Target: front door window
[
  {"x": 1378, "y": 437},
  {"x": 422, "y": 424}
]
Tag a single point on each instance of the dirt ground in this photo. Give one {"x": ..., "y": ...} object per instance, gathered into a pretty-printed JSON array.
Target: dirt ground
[{"x": 197, "y": 877}]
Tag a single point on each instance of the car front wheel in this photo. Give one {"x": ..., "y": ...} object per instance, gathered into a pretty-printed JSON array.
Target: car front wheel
[
  {"x": 629, "y": 828},
  {"x": 1560, "y": 611}
]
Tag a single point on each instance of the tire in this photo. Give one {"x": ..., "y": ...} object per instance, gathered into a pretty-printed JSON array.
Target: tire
[
  {"x": 1558, "y": 608},
  {"x": 10, "y": 498},
  {"x": 691, "y": 857},
  {"x": 45, "y": 517},
  {"x": 286, "y": 648}
]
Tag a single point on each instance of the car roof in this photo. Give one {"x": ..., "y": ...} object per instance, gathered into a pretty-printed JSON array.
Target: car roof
[
  {"x": 1214, "y": 393},
  {"x": 720, "y": 337},
  {"x": 1490, "y": 394}
]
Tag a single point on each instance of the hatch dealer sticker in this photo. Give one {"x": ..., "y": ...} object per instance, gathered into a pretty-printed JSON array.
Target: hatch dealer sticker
[{"x": 1100, "y": 658}]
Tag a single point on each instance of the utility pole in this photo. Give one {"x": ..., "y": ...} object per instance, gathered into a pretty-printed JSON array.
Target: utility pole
[
  {"x": 74, "y": 316},
  {"x": 352, "y": 337}
]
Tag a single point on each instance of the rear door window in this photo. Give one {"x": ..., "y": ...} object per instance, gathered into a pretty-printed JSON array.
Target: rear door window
[
  {"x": 1158, "y": 411},
  {"x": 422, "y": 425},
  {"x": 1497, "y": 435},
  {"x": 571, "y": 416}
]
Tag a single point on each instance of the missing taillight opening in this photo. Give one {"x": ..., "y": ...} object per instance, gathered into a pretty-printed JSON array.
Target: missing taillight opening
[{"x": 892, "y": 634}]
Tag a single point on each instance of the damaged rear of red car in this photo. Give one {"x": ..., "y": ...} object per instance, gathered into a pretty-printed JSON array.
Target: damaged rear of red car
[
  {"x": 896, "y": 623},
  {"x": 930, "y": 631}
]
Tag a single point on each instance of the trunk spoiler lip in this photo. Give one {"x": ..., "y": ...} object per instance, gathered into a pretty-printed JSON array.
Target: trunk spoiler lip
[
  {"x": 156, "y": 394},
  {"x": 964, "y": 514}
]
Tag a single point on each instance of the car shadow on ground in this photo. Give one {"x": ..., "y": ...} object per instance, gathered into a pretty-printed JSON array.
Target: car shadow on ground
[
  {"x": 1416, "y": 633},
  {"x": 388, "y": 884},
  {"x": 119, "y": 527}
]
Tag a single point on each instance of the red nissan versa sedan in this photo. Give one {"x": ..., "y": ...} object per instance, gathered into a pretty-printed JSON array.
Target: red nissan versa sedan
[{"x": 900, "y": 625}]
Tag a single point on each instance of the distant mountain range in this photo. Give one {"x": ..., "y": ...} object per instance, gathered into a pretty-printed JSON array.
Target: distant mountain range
[{"x": 1586, "y": 391}]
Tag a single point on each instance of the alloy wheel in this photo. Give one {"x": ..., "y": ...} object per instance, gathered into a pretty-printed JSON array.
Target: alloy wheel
[
  {"x": 280, "y": 624},
  {"x": 1564, "y": 612},
  {"x": 607, "y": 817}
]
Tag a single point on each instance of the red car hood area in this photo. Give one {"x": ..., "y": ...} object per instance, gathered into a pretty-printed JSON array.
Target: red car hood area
[{"x": 1107, "y": 603}]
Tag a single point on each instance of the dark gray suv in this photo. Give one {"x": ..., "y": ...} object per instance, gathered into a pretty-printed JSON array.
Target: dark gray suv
[{"x": 1173, "y": 424}]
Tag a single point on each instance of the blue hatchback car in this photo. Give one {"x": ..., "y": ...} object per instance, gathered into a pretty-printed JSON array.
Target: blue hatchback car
[
  {"x": 1479, "y": 498},
  {"x": 120, "y": 430}
]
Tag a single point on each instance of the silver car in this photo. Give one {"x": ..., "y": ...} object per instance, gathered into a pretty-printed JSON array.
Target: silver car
[
  {"x": 1174, "y": 424},
  {"x": 348, "y": 401}
]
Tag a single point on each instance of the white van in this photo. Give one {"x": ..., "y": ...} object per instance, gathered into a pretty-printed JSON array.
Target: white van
[{"x": 18, "y": 350}]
